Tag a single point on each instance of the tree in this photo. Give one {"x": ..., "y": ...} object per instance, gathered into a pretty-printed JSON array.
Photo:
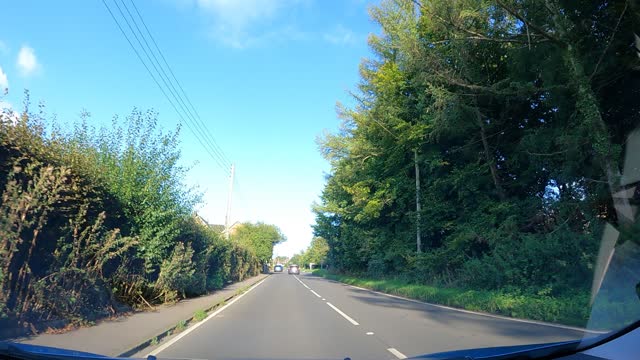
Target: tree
[
  {"x": 298, "y": 259},
  {"x": 317, "y": 251},
  {"x": 259, "y": 238},
  {"x": 508, "y": 105}
]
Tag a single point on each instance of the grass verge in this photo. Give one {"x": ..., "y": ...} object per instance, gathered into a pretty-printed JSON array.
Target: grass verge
[
  {"x": 567, "y": 310},
  {"x": 200, "y": 315},
  {"x": 180, "y": 326}
]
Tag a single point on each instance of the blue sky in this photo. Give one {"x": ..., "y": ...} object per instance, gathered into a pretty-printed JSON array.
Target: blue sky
[{"x": 264, "y": 75}]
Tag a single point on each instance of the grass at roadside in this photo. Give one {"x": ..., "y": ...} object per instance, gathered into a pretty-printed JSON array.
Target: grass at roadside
[
  {"x": 200, "y": 315},
  {"x": 568, "y": 310}
]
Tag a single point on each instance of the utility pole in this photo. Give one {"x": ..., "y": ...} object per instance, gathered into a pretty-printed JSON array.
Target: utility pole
[
  {"x": 227, "y": 217},
  {"x": 418, "y": 238}
]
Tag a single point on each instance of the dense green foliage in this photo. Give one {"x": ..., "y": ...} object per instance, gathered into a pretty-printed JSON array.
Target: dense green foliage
[
  {"x": 515, "y": 114},
  {"x": 259, "y": 237},
  {"x": 315, "y": 254},
  {"x": 93, "y": 221}
]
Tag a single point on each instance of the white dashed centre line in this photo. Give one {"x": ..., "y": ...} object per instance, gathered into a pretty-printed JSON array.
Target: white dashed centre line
[
  {"x": 343, "y": 314},
  {"x": 394, "y": 351},
  {"x": 303, "y": 284},
  {"x": 397, "y": 353}
]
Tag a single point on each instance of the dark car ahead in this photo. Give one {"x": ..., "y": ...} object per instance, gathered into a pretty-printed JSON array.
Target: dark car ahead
[
  {"x": 278, "y": 268},
  {"x": 294, "y": 269}
]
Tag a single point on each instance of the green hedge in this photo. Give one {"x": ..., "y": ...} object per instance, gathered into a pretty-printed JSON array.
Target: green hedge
[{"x": 93, "y": 222}]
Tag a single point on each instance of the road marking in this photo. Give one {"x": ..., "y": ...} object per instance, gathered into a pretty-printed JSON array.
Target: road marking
[
  {"x": 370, "y": 333},
  {"x": 305, "y": 285},
  {"x": 196, "y": 325},
  {"x": 397, "y": 353},
  {"x": 566, "y": 327},
  {"x": 343, "y": 314},
  {"x": 300, "y": 281},
  {"x": 323, "y": 299}
]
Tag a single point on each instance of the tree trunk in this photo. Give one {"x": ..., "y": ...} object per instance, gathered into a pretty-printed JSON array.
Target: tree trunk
[
  {"x": 587, "y": 104},
  {"x": 488, "y": 157}
]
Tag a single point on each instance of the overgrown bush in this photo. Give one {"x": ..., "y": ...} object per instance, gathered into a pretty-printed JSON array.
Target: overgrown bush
[
  {"x": 376, "y": 267},
  {"x": 178, "y": 274},
  {"x": 542, "y": 262},
  {"x": 93, "y": 221},
  {"x": 49, "y": 279}
]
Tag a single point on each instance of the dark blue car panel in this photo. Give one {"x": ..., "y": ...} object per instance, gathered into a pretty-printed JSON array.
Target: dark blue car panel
[
  {"x": 500, "y": 351},
  {"x": 40, "y": 352}
]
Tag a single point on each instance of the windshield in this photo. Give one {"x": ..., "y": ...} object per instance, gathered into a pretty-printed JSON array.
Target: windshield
[{"x": 271, "y": 179}]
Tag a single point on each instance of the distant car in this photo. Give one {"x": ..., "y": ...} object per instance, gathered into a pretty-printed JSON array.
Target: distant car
[
  {"x": 278, "y": 268},
  {"x": 294, "y": 269}
]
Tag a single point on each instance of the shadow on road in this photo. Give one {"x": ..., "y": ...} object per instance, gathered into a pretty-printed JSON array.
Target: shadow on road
[{"x": 453, "y": 319}]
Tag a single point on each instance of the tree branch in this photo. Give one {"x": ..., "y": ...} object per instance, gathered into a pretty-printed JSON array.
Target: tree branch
[
  {"x": 479, "y": 88},
  {"x": 499, "y": 40},
  {"x": 536, "y": 28},
  {"x": 373, "y": 117},
  {"x": 479, "y": 36},
  {"x": 547, "y": 154},
  {"x": 488, "y": 156},
  {"x": 606, "y": 48}
]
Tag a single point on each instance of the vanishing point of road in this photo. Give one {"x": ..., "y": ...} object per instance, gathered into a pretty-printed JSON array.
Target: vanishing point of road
[{"x": 307, "y": 317}]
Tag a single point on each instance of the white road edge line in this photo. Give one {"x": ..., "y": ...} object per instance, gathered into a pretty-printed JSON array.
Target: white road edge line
[
  {"x": 397, "y": 353},
  {"x": 315, "y": 293},
  {"x": 566, "y": 327},
  {"x": 196, "y": 325},
  {"x": 343, "y": 314}
]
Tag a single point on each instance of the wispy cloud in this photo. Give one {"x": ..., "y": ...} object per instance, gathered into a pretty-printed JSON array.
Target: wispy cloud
[
  {"x": 266, "y": 37},
  {"x": 246, "y": 23},
  {"x": 4, "y": 82},
  {"x": 340, "y": 35},
  {"x": 27, "y": 62},
  {"x": 4, "y": 48}
]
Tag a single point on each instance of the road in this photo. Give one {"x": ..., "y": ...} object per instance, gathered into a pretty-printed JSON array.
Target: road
[{"x": 288, "y": 317}]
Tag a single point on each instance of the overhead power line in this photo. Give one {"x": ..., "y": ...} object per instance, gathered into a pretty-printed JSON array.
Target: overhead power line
[
  {"x": 204, "y": 137},
  {"x": 215, "y": 144},
  {"x": 193, "y": 127},
  {"x": 198, "y": 121}
]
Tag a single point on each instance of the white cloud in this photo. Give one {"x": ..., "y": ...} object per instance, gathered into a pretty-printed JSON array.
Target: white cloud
[
  {"x": 340, "y": 36},
  {"x": 265, "y": 37},
  {"x": 241, "y": 24},
  {"x": 4, "y": 82},
  {"x": 27, "y": 62},
  {"x": 238, "y": 14}
]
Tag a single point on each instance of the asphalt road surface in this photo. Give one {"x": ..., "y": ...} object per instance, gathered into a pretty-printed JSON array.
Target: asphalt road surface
[{"x": 306, "y": 317}]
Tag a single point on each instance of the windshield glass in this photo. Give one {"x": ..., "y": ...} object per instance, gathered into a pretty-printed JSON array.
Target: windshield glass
[{"x": 272, "y": 179}]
